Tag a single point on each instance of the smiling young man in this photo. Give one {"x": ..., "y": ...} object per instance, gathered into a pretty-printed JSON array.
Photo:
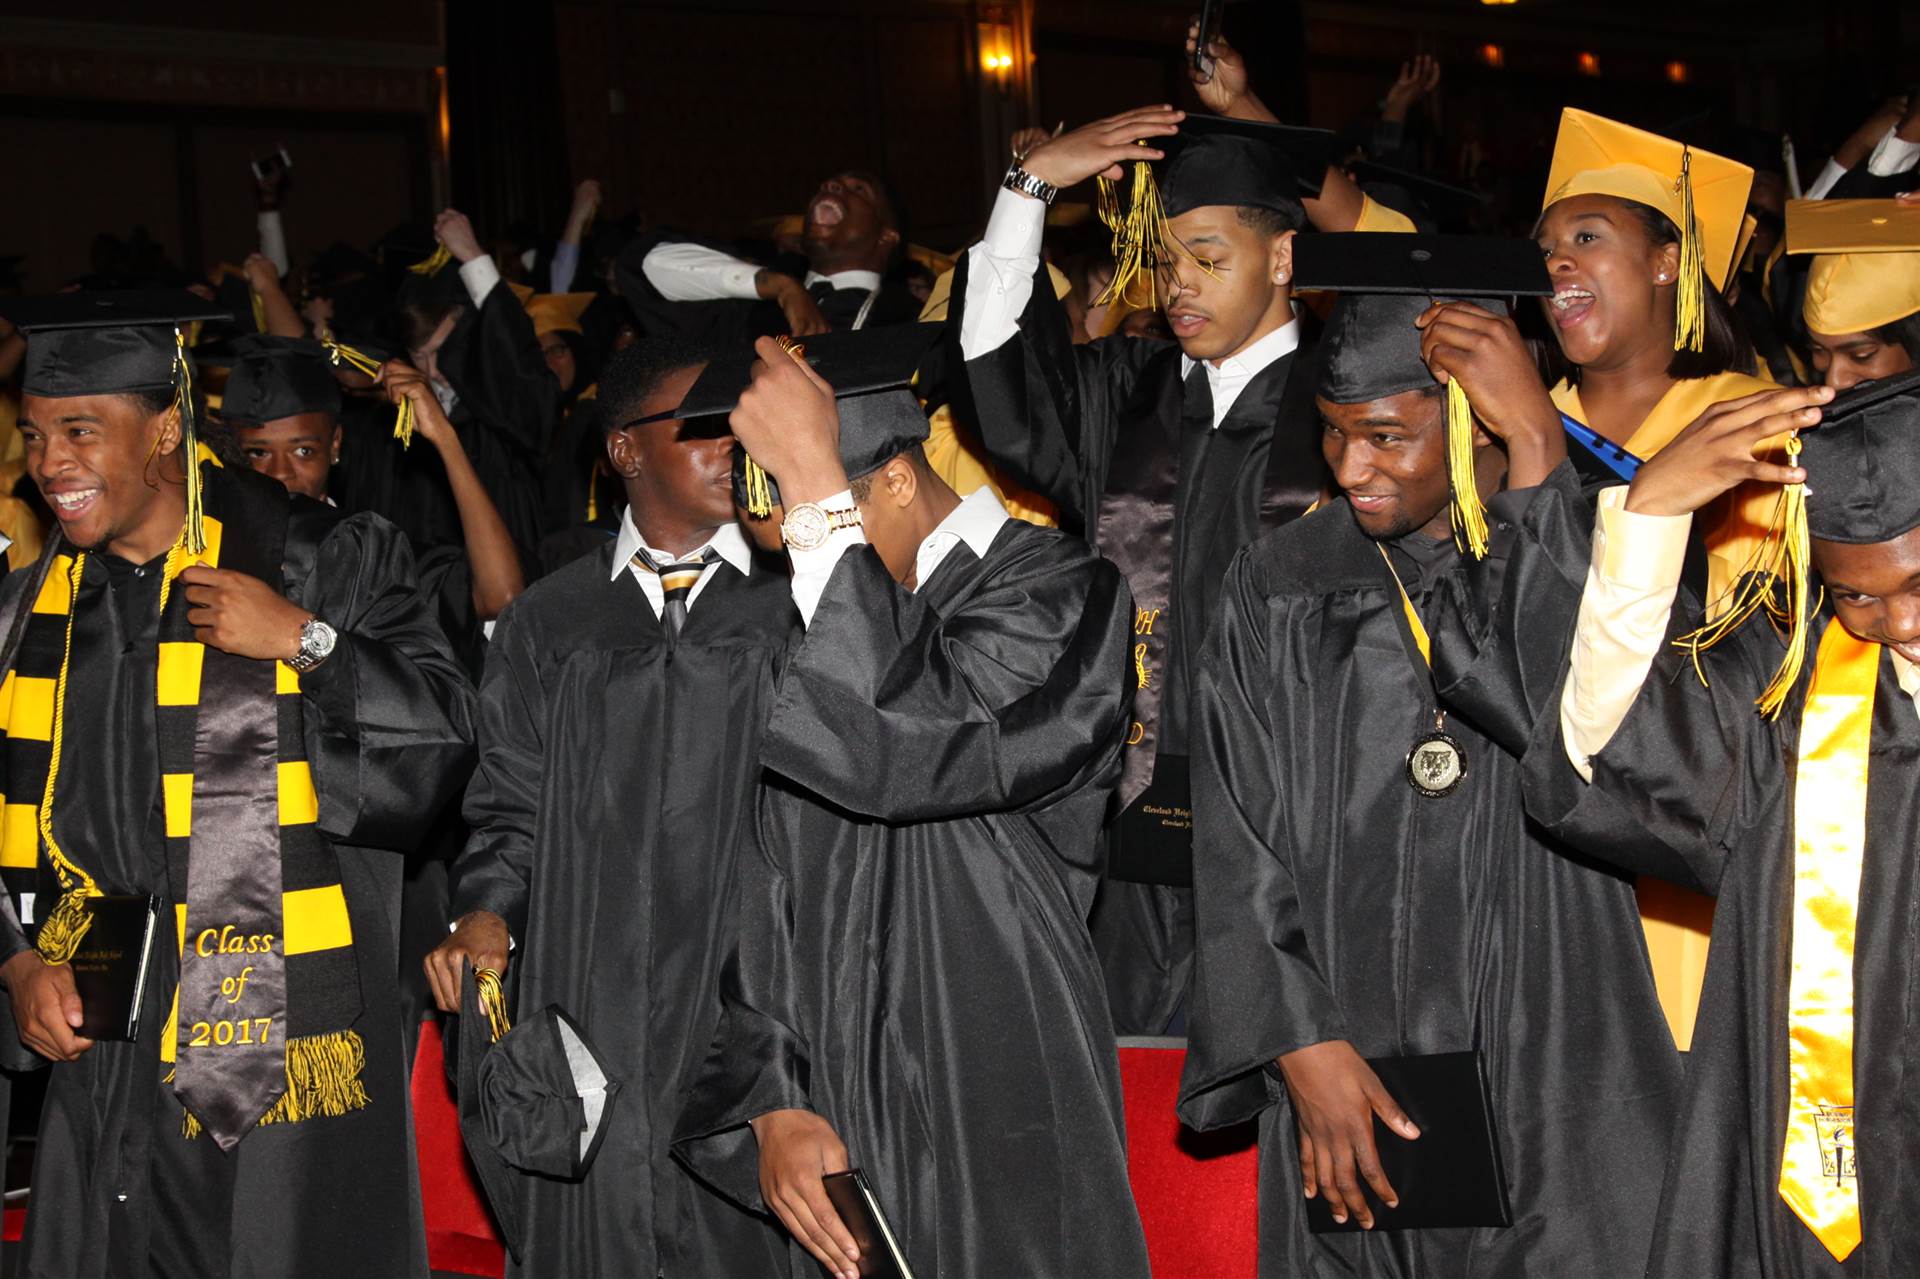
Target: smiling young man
[
  {"x": 1365, "y": 881},
  {"x": 251, "y": 734},
  {"x": 850, "y": 239},
  {"x": 619, "y": 734},
  {"x": 1797, "y": 1149},
  {"x": 915, "y": 994}
]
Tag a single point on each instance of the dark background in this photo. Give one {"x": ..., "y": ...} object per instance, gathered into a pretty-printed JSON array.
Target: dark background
[{"x": 720, "y": 114}]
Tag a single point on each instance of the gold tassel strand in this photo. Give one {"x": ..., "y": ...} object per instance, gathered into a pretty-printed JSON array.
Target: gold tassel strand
[
  {"x": 341, "y": 353},
  {"x": 431, "y": 264},
  {"x": 1690, "y": 301},
  {"x": 1143, "y": 245},
  {"x": 1783, "y": 557},
  {"x": 1468, "y": 511},
  {"x": 189, "y": 444},
  {"x": 759, "y": 493},
  {"x": 493, "y": 1002},
  {"x": 66, "y": 925}
]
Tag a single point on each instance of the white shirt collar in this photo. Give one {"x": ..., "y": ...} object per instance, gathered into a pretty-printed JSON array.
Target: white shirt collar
[
  {"x": 1231, "y": 375},
  {"x": 976, "y": 521},
  {"x": 728, "y": 542},
  {"x": 868, "y": 280}
]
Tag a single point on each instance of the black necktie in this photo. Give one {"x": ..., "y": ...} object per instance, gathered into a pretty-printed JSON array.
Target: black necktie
[
  {"x": 677, "y": 581},
  {"x": 839, "y": 307}
]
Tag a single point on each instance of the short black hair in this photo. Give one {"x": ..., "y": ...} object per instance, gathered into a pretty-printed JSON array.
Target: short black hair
[
  {"x": 861, "y": 487},
  {"x": 155, "y": 400},
  {"x": 636, "y": 373},
  {"x": 1271, "y": 222}
]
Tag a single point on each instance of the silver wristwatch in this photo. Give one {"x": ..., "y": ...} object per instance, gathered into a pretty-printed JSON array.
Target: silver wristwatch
[
  {"x": 316, "y": 645},
  {"x": 1018, "y": 179},
  {"x": 809, "y": 525}
]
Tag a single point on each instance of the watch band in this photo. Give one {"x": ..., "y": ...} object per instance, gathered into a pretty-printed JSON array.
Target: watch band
[{"x": 1018, "y": 179}]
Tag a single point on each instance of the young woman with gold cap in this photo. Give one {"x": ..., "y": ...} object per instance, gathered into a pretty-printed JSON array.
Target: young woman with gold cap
[
  {"x": 1862, "y": 303},
  {"x": 1640, "y": 234}
]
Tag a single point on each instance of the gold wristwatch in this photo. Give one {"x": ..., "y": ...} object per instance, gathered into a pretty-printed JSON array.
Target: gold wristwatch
[{"x": 809, "y": 525}]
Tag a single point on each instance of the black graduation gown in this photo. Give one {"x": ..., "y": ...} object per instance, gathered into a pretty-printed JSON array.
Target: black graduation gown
[
  {"x": 1093, "y": 428},
  {"x": 1333, "y": 902},
  {"x": 1698, "y": 787},
  {"x": 615, "y": 785},
  {"x": 117, "y": 1189},
  {"x": 914, "y": 964}
]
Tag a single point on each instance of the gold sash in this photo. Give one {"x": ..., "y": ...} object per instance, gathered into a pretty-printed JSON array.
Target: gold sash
[{"x": 1819, "y": 1178}]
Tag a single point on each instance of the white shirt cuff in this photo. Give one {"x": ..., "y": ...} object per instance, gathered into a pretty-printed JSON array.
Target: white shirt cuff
[
  {"x": 273, "y": 240},
  {"x": 812, "y": 569},
  {"x": 1631, "y": 583},
  {"x": 694, "y": 273},
  {"x": 1000, "y": 273},
  {"x": 1892, "y": 155},
  {"x": 1830, "y": 173},
  {"x": 479, "y": 275}
]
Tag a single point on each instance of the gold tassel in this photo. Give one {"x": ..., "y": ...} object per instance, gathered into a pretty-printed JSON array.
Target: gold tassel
[
  {"x": 1690, "y": 301},
  {"x": 65, "y": 928},
  {"x": 1143, "y": 246},
  {"x": 259, "y": 310},
  {"x": 431, "y": 264},
  {"x": 593, "y": 494},
  {"x": 1469, "y": 513},
  {"x": 189, "y": 444},
  {"x": 1784, "y": 557},
  {"x": 759, "y": 492},
  {"x": 341, "y": 353},
  {"x": 493, "y": 1002}
]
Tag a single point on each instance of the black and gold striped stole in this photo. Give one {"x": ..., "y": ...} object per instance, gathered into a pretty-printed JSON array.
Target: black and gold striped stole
[{"x": 261, "y": 1027}]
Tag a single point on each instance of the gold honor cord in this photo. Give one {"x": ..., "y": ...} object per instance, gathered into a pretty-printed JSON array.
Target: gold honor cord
[
  {"x": 1414, "y": 624},
  {"x": 66, "y": 925},
  {"x": 1819, "y": 1176},
  {"x": 340, "y": 353},
  {"x": 1783, "y": 557},
  {"x": 493, "y": 1002}
]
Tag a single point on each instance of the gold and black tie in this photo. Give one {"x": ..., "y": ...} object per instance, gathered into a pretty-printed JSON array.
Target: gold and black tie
[{"x": 677, "y": 581}]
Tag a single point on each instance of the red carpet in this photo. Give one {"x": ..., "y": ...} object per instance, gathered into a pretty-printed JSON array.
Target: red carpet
[{"x": 1195, "y": 1192}]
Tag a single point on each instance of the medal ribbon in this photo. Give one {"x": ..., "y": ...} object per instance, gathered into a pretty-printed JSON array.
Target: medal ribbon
[
  {"x": 1414, "y": 624},
  {"x": 1819, "y": 1178}
]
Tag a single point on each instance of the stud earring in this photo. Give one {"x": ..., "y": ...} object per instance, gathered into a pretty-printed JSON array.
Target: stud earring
[{"x": 1279, "y": 277}]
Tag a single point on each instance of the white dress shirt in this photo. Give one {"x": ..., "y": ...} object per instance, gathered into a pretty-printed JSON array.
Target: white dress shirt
[
  {"x": 976, "y": 522},
  {"x": 729, "y": 544},
  {"x": 1000, "y": 282},
  {"x": 1632, "y": 580},
  {"x": 1890, "y": 155},
  {"x": 695, "y": 273}
]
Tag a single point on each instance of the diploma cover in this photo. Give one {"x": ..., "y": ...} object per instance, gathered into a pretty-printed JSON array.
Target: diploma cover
[
  {"x": 1152, "y": 841},
  {"x": 110, "y": 968},
  {"x": 859, "y": 1209}
]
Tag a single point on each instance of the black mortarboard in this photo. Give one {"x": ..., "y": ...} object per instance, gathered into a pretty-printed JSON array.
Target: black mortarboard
[
  {"x": 1371, "y": 348},
  {"x": 104, "y": 343},
  {"x": 236, "y": 297},
  {"x": 871, "y": 372},
  {"x": 1246, "y": 163},
  {"x": 275, "y": 377},
  {"x": 1863, "y": 463},
  {"x": 1412, "y": 193},
  {"x": 1386, "y": 279},
  {"x": 546, "y": 1096}
]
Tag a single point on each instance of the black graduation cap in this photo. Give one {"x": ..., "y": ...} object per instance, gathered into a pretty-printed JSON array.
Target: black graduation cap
[
  {"x": 104, "y": 342},
  {"x": 236, "y": 297},
  {"x": 1411, "y": 192},
  {"x": 1386, "y": 279},
  {"x": 1863, "y": 463},
  {"x": 871, "y": 372},
  {"x": 1217, "y": 160},
  {"x": 276, "y": 377}
]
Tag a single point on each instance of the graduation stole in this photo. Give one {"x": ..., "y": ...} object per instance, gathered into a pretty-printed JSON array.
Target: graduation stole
[
  {"x": 260, "y": 1027},
  {"x": 1819, "y": 1177}
]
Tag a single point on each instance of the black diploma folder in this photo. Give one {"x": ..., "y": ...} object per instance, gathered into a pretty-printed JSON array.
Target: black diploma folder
[
  {"x": 859, "y": 1209},
  {"x": 1452, "y": 1175},
  {"x": 110, "y": 968}
]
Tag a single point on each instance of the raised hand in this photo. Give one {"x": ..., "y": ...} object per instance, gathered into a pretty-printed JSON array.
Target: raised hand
[
  {"x": 453, "y": 229},
  {"x": 1718, "y": 451},
  {"x": 1416, "y": 80},
  {"x": 1103, "y": 148},
  {"x": 1487, "y": 354}
]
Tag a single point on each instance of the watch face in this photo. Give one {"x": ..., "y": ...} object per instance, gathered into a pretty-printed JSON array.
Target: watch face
[
  {"x": 805, "y": 527},
  {"x": 317, "y": 638}
]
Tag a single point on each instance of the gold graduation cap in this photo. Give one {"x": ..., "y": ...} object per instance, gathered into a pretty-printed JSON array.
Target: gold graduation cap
[
  {"x": 1867, "y": 269},
  {"x": 555, "y": 312},
  {"x": 1703, "y": 194}
]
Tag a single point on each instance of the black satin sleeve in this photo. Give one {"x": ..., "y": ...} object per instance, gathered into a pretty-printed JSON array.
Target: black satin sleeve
[
  {"x": 1046, "y": 410},
  {"x": 1257, "y": 991},
  {"x": 495, "y": 870},
  {"x": 492, "y": 359},
  {"x": 893, "y": 711},
  {"x": 389, "y": 723}
]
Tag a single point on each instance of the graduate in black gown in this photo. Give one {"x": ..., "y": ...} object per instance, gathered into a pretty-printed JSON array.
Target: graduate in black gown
[
  {"x": 1789, "y": 792},
  {"x": 619, "y": 731},
  {"x": 1353, "y": 904},
  {"x": 258, "y": 1125},
  {"x": 915, "y": 992}
]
